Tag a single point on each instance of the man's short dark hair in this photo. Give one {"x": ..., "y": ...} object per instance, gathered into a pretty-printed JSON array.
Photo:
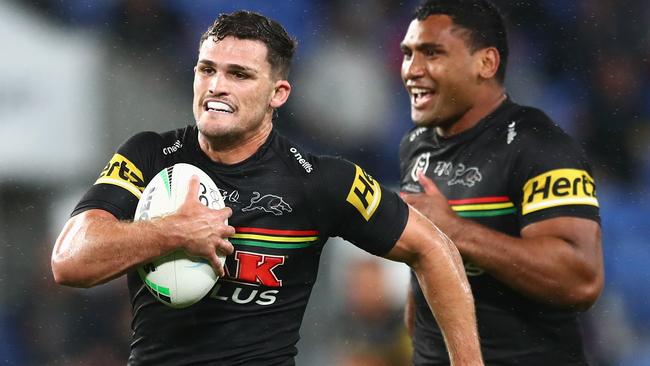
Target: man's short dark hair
[
  {"x": 480, "y": 18},
  {"x": 249, "y": 25}
]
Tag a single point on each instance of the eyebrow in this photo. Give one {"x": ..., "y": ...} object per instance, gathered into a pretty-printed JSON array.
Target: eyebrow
[
  {"x": 233, "y": 67},
  {"x": 422, "y": 46}
]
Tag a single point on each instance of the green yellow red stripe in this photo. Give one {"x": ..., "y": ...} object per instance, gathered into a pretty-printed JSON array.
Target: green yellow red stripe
[
  {"x": 483, "y": 206},
  {"x": 286, "y": 239},
  {"x": 274, "y": 238},
  {"x": 491, "y": 199},
  {"x": 257, "y": 230}
]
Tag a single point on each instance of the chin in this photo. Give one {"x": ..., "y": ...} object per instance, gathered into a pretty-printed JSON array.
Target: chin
[{"x": 423, "y": 121}]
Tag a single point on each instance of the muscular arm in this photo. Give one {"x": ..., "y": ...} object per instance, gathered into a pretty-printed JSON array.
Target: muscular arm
[
  {"x": 94, "y": 247},
  {"x": 439, "y": 269},
  {"x": 556, "y": 261}
]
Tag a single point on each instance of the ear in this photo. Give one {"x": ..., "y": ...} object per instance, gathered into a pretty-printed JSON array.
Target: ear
[
  {"x": 281, "y": 92},
  {"x": 488, "y": 62}
]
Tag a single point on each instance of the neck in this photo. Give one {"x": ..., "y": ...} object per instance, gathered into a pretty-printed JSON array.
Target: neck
[
  {"x": 484, "y": 105},
  {"x": 232, "y": 150}
]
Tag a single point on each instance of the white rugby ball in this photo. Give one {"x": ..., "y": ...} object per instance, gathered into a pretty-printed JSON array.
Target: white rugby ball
[{"x": 177, "y": 279}]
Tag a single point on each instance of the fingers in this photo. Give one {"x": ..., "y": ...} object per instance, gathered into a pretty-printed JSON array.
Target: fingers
[
  {"x": 193, "y": 189},
  {"x": 225, "y": 212},
  {"x": 427, "y": 183},
  {"x": 223, "y": 246},
  {"x": 216, "y": 264}
]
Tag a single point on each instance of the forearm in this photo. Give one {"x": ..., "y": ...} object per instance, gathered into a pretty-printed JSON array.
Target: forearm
[
  {"x": 452, "y": 305},
  {"x": 438, "y": 267},
  {"x": 549, "y": 269},
  {"x": 409, "y": 312},
  {"x": 94, "y": 250}
]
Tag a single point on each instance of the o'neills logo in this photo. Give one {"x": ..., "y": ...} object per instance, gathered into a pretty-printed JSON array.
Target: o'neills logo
[
  {"x": 172, "y": 149},
  {"x": 559, "y": 187},
  {"x": 301, "y": 160}
]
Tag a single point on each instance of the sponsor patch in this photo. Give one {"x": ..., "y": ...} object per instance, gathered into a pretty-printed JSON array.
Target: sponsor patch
[
  {"x": 121, "y": 172},
  {"x": 365, "y": 193},
  {"x": 559, "y": 187}
]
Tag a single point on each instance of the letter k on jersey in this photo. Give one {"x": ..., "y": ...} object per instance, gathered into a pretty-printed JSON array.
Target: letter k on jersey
[{"x": 258, "y": 268}]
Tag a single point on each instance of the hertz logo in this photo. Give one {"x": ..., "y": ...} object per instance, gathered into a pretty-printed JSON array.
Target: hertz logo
[
  {"x": 121, "y": 172},
  {"x": 560, "y": 187},
  {"x": 365, "y": 193}
]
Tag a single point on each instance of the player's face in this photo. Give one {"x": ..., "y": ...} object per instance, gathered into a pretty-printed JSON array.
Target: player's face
[
  {"x": 235, "y": 88},
  {"x": 438, "y": 70}
]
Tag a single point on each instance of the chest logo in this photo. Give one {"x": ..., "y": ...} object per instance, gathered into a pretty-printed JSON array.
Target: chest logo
[
  {"x": 511, "y": 133},
  {"x": 465, "y": 176},
  {"x": 232, "y": 197},
  {"x": 268, "y": 203},
  {"x": 421, "y": 165}
]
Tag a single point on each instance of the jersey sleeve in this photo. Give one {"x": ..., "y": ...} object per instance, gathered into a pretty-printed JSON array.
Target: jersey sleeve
[
  {"x": 353, "y": 205},
  {"x": 552, "y": 176},
  {"x": 121, "y": 182}
]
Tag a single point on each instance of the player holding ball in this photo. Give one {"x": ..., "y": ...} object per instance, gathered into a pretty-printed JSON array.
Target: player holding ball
[{"x": 283, "y": 203}]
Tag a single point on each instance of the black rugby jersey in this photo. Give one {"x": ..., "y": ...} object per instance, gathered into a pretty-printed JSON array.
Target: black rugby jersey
[
  {"x": 286, "y": 203},
  {"x": 513, "y": 168}
]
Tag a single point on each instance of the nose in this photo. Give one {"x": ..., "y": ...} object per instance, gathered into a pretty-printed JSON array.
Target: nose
[
  {"x": 413, "y": 67},
  {"x": 216, "y": 84}
]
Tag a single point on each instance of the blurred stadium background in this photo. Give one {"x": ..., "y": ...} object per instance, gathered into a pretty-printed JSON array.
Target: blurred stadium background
[{"x": 77, "y": 77}]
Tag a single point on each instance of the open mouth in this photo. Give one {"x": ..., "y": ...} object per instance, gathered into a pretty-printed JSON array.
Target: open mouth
[
  {"x": 218, "y": 106},
  {"x": 420, "y": 96}
]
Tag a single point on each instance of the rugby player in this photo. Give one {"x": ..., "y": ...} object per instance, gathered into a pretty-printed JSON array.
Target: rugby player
[
  {"x": 283, "y": 203},
  {"x": 513, "y": 191}
]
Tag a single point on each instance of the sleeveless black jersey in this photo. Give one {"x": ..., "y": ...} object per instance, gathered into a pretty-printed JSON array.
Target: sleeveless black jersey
[
  {"x": 515, "y": 167},
  {"x": 286, "y": 203}
]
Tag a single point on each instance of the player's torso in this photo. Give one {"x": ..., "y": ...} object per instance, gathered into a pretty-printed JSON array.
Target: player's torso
[
  {"x": 476, "y": 171},
  {"x": 270, "y": 274},
  {"x": 472, "y": 170}
]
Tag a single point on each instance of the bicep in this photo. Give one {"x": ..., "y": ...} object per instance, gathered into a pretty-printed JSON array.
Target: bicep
[
  {"x": 582, "y": 235},
  {"x": 75, "y": 227},
  {"x": 419, "y": 238}
]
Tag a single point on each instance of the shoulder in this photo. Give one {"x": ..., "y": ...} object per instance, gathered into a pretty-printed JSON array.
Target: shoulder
[
  {"x": 533, "y": 131},
  {"x": 157, "y": 142},
  {"x": 414, "y": 135},
  {"x": 413, "y": 138},
  {"x": 298, "y": 159},
  {"x": 533, "y": 124}
]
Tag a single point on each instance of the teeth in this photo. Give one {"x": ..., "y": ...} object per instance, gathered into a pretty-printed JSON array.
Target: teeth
[
  {"x": 419, "y": 91},
  {"x": 220, "y": 106}
]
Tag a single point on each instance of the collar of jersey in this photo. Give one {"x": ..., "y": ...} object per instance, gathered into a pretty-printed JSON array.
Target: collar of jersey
[
  {"x": 481, "y": 126},
  {"x": 229, "y": 167}
]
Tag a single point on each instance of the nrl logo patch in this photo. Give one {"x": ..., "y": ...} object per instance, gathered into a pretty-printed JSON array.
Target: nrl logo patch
[
  {"x": 421, "y": 165},
  {"x": 268, "y": 203}
]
